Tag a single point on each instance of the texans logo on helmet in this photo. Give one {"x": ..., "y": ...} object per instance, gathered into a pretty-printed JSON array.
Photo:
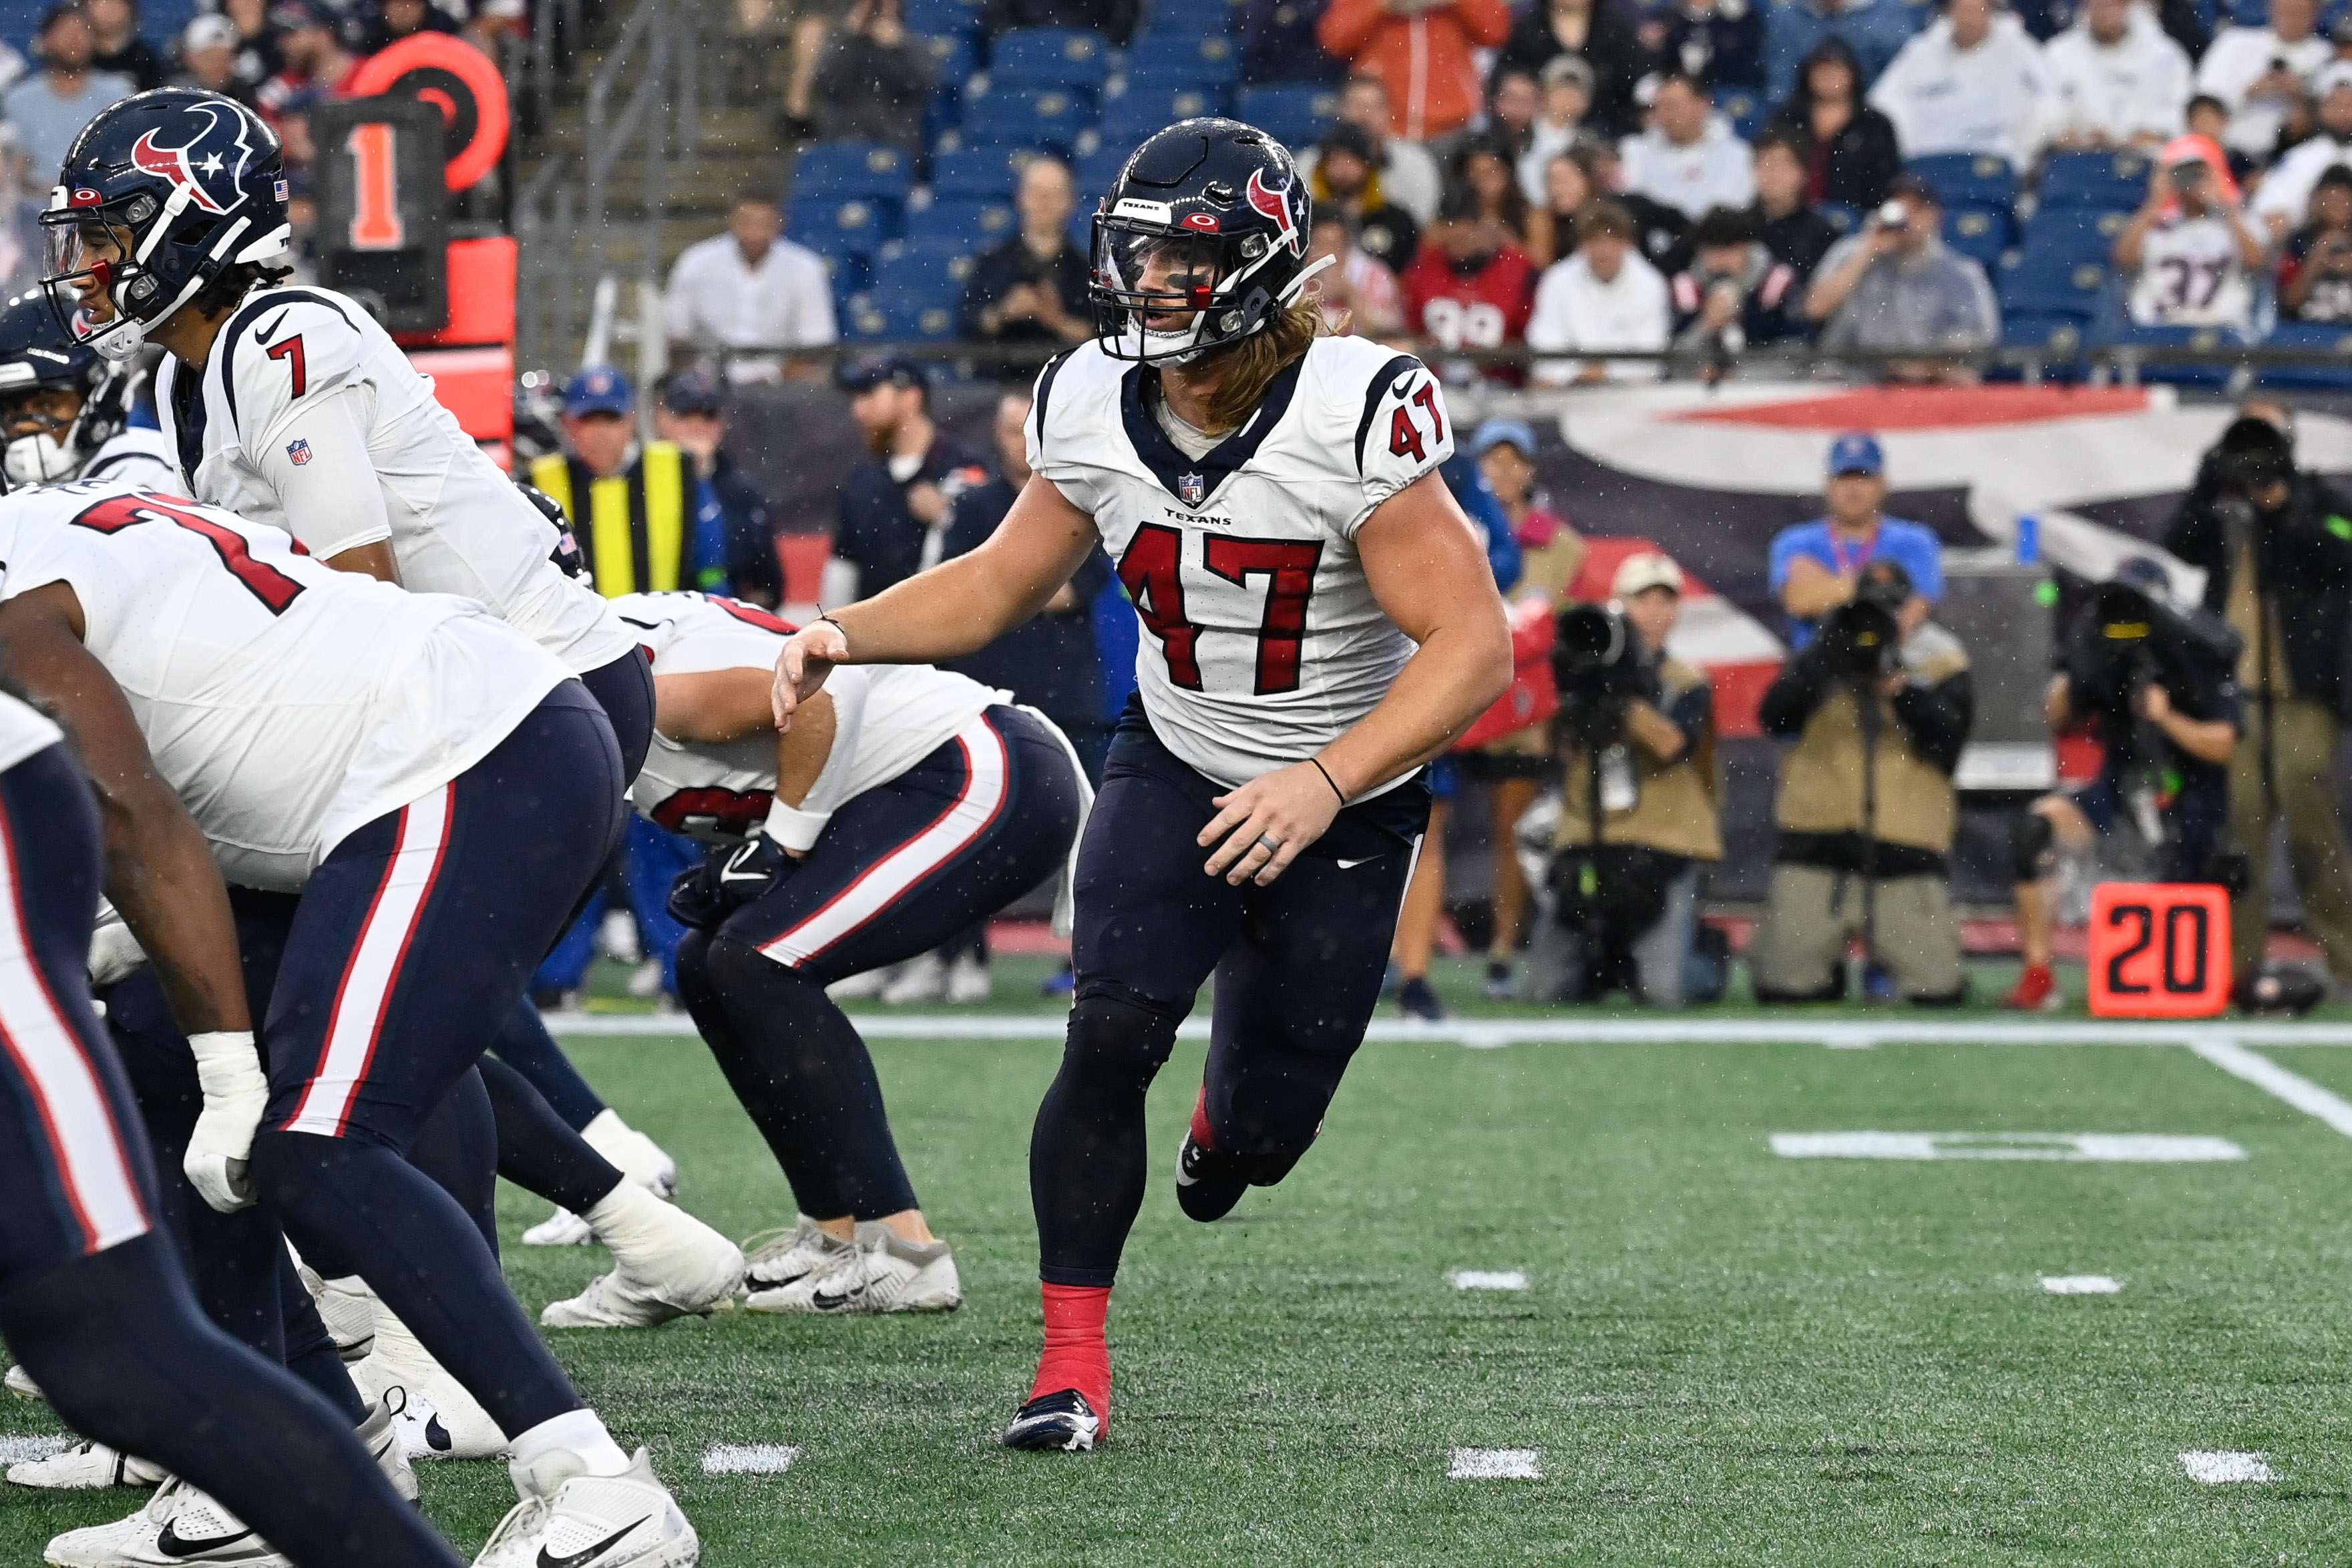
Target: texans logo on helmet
[
  {"x": 1275, "y": 205},
  {"x": 174, "y": 164}
]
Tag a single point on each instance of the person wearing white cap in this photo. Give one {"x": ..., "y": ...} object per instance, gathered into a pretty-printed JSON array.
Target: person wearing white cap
[
  {"x": 2283, "y": 199},
  {"x": 1624, "y": 911},
  {"x": 208, "y": 58}
]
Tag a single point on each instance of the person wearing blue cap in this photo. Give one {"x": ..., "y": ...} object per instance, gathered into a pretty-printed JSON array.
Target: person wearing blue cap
[
  {"x": 633, "y": 506},
  {"x": 689, "y": 408},
  {"x": 1816, "y": 564}
]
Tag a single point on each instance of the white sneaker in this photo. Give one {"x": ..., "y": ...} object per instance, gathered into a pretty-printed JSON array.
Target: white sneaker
[
  {"x": 87, "y": 1466},
  {"x": 669, "y": 1265},
  {"x": 628, "y": 1521},
  {"x": 562, "y": 1228},
  {"x": 646, "y": 979},
  {"x": 437, "y": 1418},
  {"x": 347, "y": 1308},
  {"x": 20, "y": 1383},
  {"x": 179, "y": 1524},
  {"x": 776, "y": 1257},
  {"x": 381, "y": 1436},
  {"x": 632, "y": 1153},
  {"x": 618, "y": 937},
  {"x": 878, "y": 1273},
  {"x": 861, "y": 988},
  {"x": 969, "y": 981},
  {"x": 923, "y": 979}
]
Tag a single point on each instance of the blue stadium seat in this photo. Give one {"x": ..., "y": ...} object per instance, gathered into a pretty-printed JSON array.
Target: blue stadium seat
[
  {"x": 1054, "y": 117},
  {"x": 1203, "y": 57},
  {"x": 976, "y": 224},
  {"x": 1981, "y": 233},
  {"x": 1099, "y": 168},
  {"x": 1195, "y": 18},
  {"x": 2250, "y": 12},
  {"x": 1165, "y": 79},
  {"x": 2113, "y": 330},
  {"x": 2328, "y": 337},
  {"x": 943, "y": 18},
  {"x": 938, "y": 256},
  {"x": 1968, "y": 179},
  {"x": 977, "y": 173},
  {"x": 2061, "y": 334},
  {"x": 876, "y": 317},
  {"x": 1131, "y": 116},
  {"x": 1294, "y": 115},
  {"x": 2040, "y": 283},
  {"x": 852, "y": 171},
  {"x": 1049, "y": 57},
  {"x": 1745, "y": 107},
  {"x": 953, "y": 59},
  {"x": 855, "y": 227},
  {"x": 2093, "y": 180},
  {"x": 846, "y": 273},
  {"x": 2076, "y": 234},
  {"x": 914, "y": 276}
]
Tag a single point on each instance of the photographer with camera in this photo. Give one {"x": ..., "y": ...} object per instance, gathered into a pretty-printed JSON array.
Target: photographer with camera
[
  {"x": 1816, "y": 567},
  {"x": 2159, "y": 686},
  {"x": 1622, "y": 909},
  {"x": 2276, "y": 549},
  {"x": 1880, "y": 704}
]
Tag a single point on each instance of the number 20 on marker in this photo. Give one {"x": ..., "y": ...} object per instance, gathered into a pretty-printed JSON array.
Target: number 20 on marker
[{"x": 2159, "y": 949}]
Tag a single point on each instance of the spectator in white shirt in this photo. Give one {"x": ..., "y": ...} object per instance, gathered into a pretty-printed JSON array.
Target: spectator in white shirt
[
  {"x": 2116, "y": 80},
  {"x": 1689, "y": 158},
  {"x": 1604, "y": 297},
  {"x": 1973, "y": 82},
  {"x": 2261, "y": 72},
  {"x": 751, "y": 289},
  {"x": 2192, "y": 253},
  {"x": 2284, "y": 196}
]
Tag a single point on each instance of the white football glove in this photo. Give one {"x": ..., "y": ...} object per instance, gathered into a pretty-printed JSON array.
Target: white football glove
[
  {"x": 235, "y": 1094},
  {"x": 114, "y": 953}
]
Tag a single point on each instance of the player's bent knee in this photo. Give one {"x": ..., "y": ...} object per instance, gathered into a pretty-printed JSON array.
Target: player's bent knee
[{"x": 1121, "y": 1035}]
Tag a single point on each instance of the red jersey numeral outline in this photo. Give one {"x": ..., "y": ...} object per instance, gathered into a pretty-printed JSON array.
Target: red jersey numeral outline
[
  {"x": 1153, "y": 570},
  {"x": 292, "y": 349},
  {"x": 266, "y": 583}
]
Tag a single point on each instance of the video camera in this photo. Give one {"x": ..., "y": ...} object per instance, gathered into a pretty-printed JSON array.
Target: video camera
[
  {"x": 2129, "y": 635},
  {"x": 1861, "y": 639},
  {"x": 1599, "y": 664}
]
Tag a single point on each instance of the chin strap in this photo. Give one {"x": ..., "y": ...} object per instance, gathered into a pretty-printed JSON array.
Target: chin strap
[{"x": 1307, "y": 275}]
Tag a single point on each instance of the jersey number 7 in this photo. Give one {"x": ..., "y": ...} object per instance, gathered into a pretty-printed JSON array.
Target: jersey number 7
[
  {"x": 266, "y": 583},
  {"x": 1153, "y": 570}
]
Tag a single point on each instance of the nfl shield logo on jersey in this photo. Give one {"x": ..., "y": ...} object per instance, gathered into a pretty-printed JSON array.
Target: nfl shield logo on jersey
[
  {"x": 1190, "y": 488},
  {"x": 300, "y": 451}
]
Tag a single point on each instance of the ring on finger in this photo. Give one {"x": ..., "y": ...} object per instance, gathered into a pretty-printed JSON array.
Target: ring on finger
[{"x": 1269, "y": 842}]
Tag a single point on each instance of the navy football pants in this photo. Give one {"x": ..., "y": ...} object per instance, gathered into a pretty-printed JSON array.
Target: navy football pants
[{"x": 92, "y": 1303}]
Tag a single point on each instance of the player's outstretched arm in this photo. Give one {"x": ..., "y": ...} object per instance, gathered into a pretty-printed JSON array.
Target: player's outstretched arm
[
  {"x": 715, "y": 706},
  {"x": 159, "y": 871},
  {"x": 1429, "y": 574},
  {"x": 957, "y": 608}
]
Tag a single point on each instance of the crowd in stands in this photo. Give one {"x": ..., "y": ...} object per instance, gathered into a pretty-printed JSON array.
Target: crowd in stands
[{"x": 1585, "y": 178}]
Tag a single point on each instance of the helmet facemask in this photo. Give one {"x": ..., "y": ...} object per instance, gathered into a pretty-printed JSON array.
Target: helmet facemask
[
  {"x": 99, "y": 260},
  {"x": 1167, "y": 295}
]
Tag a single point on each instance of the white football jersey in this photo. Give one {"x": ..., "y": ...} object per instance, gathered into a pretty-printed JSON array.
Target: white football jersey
[
  {"x": 2191, "y": 275},
  {"x": 286, "y": 704},
  {"x": 887, "y": 718},
  {"x": 1263, "y": 640},
  {"x": 237, "y": 431},
  {"x": 23, "y": 732},
  {"x": 137, "y": 456}
]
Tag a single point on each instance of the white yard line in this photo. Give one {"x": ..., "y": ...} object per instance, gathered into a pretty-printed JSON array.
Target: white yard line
[
  {"x": 2226, "y": 1053},
  {"x": 2221, "y": 1467},
  {"x": 1495, "y": 1465},
  {"x": 747, "y": 1458},
  {"x": 1482, "y": 1279},
  {"x": 1489, "y": 1034},
  {"x": 2080, "y": 1284}
]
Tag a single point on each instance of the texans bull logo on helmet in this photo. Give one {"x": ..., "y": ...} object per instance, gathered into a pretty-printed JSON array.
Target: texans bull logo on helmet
[
  {"x": 188, "y": 167},
  {"x": 1279, "y": 204}
]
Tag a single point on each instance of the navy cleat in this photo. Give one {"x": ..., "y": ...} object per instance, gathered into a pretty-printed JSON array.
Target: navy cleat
[
  {"x": 1207, "y": 1187},
  {"x": 1060, "y": 1422},
  {"x": 1416, "y": 998}
]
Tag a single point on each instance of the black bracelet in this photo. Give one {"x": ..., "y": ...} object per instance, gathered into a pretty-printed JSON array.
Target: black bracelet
[
  {"x": 826, "y": 616},
  {"x": 1327, "y": 778}
]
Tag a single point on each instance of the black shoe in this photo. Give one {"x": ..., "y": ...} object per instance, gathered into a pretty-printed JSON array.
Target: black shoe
[
  {"x": 1060, "y": 1422},
  {"x": 1419, "y": 1000},
  {"x": 1206, "y": 1188}
]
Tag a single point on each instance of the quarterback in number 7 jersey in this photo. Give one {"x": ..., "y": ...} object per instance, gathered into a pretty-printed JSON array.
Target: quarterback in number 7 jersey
[{"x": 1319, "y": 621}]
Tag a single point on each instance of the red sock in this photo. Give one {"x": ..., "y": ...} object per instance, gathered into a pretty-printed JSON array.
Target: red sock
[
  {"x": 1076, "y": 1354},
  {"x": 1201, "y": 1133}
]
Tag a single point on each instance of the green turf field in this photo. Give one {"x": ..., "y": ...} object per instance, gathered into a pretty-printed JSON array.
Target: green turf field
[{"x": 1722, "y": 1355}]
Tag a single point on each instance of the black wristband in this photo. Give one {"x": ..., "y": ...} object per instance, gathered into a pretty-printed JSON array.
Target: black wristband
[{"x": 1327, "y": 778}]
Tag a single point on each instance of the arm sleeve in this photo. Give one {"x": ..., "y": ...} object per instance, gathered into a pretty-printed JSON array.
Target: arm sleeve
[
  {"x": 318, "y": 462},
  {"x": 1937, "y": 718},
  {"x": 797, "y": 826},
  {"x": 1791, "y": 698}
]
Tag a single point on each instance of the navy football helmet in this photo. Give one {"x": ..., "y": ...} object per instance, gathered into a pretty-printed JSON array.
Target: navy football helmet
[
  {"x": 1200, "y": 242},
  {"x": 38, "y": 356},
  {"x": 159, "y": 196}
]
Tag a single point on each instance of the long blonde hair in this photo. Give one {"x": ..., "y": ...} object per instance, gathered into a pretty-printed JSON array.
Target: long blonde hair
[{"x": 1257, "y": 360}]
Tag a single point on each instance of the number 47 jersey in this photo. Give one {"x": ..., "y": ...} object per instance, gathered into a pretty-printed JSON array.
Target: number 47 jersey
[{"x": 1263, "y": 640}]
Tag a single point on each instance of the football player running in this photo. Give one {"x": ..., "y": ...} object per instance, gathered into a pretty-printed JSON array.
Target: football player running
[
  {"x": 1321, "y": 620},
  {"x": 397, "y": 760},
  {"x": 907, "y": 804},
  {"x": 64, "y": 408},
  {"x": 92, "y": 1302}
]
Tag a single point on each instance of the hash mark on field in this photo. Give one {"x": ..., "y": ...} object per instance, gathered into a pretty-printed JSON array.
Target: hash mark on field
[
  {"x": 747, "y": 1458},
  {"x": 2080, "y": 1284},
  {"x": 16, "y": 1450},
  {"x": 1481, "y": 1279},
  {"x": 2106, "y": 1148},
  {"x": 1495, "y": 1465},
  {"x": 2221, "y": 1467},
  {"x": 2272, "y": 1079}
]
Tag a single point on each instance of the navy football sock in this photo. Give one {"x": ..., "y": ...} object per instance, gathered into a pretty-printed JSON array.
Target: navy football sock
[
  {"x": 538, "y": 1150},
  {"x": 458, "y": 1147},
  {"x": 421, "y": 1254},
  {"x": 117, "y": 1346},
  {"x": 524, "y": 1044},
  {"x": 1087, "y": 1155},
  {"x": 802, "y": 1072},
  {"x": 310, "y": 1352}
]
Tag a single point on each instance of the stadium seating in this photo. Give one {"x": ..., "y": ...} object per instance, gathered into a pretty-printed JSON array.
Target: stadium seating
[
  {"x": 977, "y": 225},
  {"x": 2109, "y": 180},
  {"x": 1746, "y": 109},
  {"x": 2038, "y": 283},
  {"x": 1052, "y": 118},
  {"x": 943, "y": 18},
  {"x": 977, "y": 173},
  {"x": 2076, "y": 234},
  {"x": 1206, "y": 59},
  {"x": 1968, "y": 179},
  {"x": 852, "y": 171},
  {"x": 940, "y": 255},
  {"x": 857, "y": 227},
  {"x": 2062, "y": 336},
  {"x": 1036, "y": 57},
  {"x": 2328, "y": 337},
  {"x": 1131, "y": 116},
  {"x": 1983, "y": 234},
  {"x": 876, "y": 315},
  {"x": 2113, "y": 330},
  {"x": 1292, "y": 115}
]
